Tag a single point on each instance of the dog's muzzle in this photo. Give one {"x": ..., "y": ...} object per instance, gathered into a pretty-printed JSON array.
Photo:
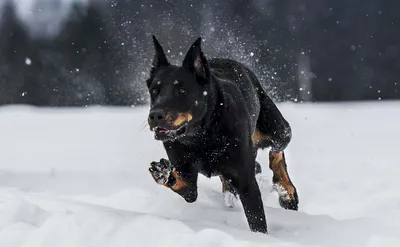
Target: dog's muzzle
[
  {"x": 165, "y": 126},
  {"x": 163, "y": 134}
]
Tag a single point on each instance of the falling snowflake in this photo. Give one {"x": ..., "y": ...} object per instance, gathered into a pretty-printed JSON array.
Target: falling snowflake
[{"x": 28, "y": 61}]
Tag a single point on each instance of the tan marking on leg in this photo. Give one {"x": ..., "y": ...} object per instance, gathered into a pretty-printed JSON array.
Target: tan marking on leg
[
  {"x": 277, "y": 164},
  {"x": 225, "y": 184},
  {"x": 179, "y": 182},
  {"x": 258, "y": 137},
  {"x": 182, "y": 118}
]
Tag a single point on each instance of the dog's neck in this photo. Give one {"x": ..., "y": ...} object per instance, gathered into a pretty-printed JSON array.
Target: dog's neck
[{"x": 214, "y": 105}]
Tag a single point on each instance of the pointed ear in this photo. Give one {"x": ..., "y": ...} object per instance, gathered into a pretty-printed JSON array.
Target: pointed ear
[
  {"x": 159, "y": 59},
  {"x": 195, "y": 61}
]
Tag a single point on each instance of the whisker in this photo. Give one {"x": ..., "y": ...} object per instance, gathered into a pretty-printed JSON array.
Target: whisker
[
  {"x": 201, "y": 103},
  {"x": 144, "y": 125}
]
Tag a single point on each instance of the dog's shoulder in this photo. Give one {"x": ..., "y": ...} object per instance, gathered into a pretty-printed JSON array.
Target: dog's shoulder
[
  {"x": 238, "y": 89},
  {"x": 227, "y": 69},
  {"x": 231, "y": 73}
]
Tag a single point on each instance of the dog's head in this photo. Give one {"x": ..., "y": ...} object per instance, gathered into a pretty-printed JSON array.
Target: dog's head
[{"x": 178, "y": 94}]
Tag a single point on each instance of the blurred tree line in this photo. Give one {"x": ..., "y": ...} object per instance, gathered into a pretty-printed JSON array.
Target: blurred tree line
[{"x": 315, "y": 50}]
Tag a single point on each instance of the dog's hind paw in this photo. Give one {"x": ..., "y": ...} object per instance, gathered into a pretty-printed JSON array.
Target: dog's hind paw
[
  {"x": 161, "y": 171},
  {"x": 230, "y": 199},
  {"x": 289, "y": 203},
  {"x": 287, "y": 200}
]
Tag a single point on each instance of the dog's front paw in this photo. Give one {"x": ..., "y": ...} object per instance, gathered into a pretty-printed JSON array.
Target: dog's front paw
[{"x": 161, "y": 171}]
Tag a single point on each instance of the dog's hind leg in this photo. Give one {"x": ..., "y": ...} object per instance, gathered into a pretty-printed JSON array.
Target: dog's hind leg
[
  {"x": 228, "y": 192},
  {"x": 274, "y": 131},
  {"x": 288, "y": 198}
]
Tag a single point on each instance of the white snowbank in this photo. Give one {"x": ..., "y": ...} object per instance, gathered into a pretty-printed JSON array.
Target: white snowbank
[{"x": 79, "y": 178}]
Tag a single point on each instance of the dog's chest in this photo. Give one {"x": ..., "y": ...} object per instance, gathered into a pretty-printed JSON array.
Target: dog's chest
[{"x": 209, "y": 159}]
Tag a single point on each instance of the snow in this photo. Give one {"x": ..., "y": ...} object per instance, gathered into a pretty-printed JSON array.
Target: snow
[
  {"x": 44, "y": 17},
  {"x": 79, "y": 178},
  {"x": 230, "y": 199},
  {"x": 28, "y": 61}
]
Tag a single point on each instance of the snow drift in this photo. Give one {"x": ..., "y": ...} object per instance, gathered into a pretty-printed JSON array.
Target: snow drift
[{"x": 78, "y": 177}]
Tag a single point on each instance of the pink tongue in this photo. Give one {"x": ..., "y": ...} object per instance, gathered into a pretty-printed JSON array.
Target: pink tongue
[{"x": 163, "y": 131}]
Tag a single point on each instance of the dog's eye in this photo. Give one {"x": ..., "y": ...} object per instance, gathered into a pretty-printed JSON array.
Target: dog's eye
[
  {"x": 154, "y": 92},
  {"x": 182, "y": 91}
]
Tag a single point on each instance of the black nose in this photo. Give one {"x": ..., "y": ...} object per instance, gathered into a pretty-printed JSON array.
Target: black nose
[{"x": 156, "y": 116}]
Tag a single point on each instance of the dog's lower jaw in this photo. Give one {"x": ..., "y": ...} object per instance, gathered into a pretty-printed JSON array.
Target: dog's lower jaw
[{"x": 170, "y": 135}]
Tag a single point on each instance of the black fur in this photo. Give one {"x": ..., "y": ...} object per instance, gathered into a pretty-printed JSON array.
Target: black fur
[{"x": 227, "y": 104}]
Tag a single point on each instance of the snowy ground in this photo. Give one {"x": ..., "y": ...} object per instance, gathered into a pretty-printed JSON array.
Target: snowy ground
[{"x": 79, "y": 178}]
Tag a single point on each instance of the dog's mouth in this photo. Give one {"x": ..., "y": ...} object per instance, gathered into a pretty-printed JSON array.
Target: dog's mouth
[{"x": 163, "y": 134}]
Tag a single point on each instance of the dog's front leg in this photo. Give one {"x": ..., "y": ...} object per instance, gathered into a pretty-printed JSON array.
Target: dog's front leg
[
  {"x": 180, "y": 179},
  {"x": 250, "y": 196}
]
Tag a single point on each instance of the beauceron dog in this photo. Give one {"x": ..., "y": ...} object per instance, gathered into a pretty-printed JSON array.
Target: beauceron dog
[{"x": 212, "y": 116}]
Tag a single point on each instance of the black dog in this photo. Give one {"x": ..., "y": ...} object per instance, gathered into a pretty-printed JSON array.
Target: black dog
[{"x": 212, "y": 116}]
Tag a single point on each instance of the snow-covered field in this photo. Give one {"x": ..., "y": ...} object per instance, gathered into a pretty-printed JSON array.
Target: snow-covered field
[{"x": 79, "y": 178}]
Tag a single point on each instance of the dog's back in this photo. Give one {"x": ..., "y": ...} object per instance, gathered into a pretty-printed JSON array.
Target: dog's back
[{"x": 240, "y": 84}]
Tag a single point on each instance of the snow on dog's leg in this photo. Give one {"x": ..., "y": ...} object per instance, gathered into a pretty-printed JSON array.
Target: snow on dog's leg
[
  {"x": 230, "y": 199},
  {"x": 228, "y": 192},
  {"x": 161, "y": 171}
]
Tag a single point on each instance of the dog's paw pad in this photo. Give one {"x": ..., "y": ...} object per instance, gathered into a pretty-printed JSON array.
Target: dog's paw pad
[
  {"x": 161, "y": 171},
  {"x": 230, "y": 199}
]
